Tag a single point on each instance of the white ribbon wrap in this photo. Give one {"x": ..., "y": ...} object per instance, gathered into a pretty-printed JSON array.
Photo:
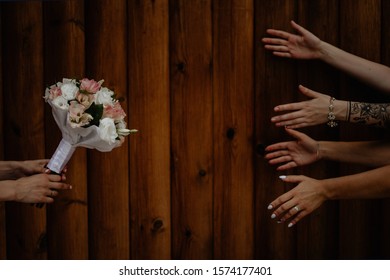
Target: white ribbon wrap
[{"x": 61, "y": 156}]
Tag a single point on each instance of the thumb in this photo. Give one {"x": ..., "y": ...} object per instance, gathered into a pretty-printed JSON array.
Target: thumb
[
  {"x": 298, "y": 28},
  {"x": 308, "y": 92},
  {"x": 294, "y": 133}
]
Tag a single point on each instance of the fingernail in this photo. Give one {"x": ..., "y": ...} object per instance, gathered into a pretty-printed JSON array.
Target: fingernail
[
  {"x": 70, "y": 187},
  {"x": 270, "y": 207},
  {"x": 279, "y": 221},
  {"x": 290, "y": 224},
  {"x": 282, "y": 177},
  {"x": 273, "y": 216}
]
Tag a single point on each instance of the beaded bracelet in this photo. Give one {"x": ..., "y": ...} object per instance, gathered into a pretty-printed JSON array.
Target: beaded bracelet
[{"x": 331, "y": 116}]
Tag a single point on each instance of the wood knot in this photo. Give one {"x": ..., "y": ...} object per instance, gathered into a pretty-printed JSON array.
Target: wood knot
[
  {"x": 188, "y": 233},
  {"x": 181, "y": 67},
  {"x": 260, "y": 149},
  {"x": 202, "y": 173},
  {"x": 157, "y": 225},
  {"x": 230, "y": 133}
]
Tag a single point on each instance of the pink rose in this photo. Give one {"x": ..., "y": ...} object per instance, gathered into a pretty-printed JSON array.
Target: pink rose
[
  {"x": 114, "y": 112},
  {"x": 77, "y": 115},
  {"x": 85, "y": 99},
  {"x": 54, "y": 92},
  {"x": 89, "y": 85}
]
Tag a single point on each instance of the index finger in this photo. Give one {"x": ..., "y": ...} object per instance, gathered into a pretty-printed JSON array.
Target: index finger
[
  {"x": 279, "y": 33},
  {"x": 289, "y": 106},
  {"x": 60, "y": 186}
]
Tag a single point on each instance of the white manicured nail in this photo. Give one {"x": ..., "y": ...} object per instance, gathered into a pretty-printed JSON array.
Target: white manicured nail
[
  {"x": 290, "y": 224},
  {"x": 273, "y": 216},
  {"x": 282, "y": 177},
  {"x": 270, "y": 207}
]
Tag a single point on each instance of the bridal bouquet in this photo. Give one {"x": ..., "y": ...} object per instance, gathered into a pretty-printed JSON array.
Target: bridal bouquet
[{"x": 88, "y": 115}]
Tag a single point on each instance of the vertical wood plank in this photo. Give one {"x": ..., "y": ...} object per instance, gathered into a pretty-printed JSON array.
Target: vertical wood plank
[
  {"x": 192, "y": 131},
  {"x": 148, "y": 68},
  {"x": 3, "y": 243},
  {"x": 23, "y": 121},
  {"x": 233, "y": 129},
  {"x": 385, "y": 59},
  {"x": 317, "y": 236},
  {"x": 275, "y": 83},
  {"x": 108, "y": 173},
  {"x": 359, "y": 222},
  {"x": 68, "y": 216}
]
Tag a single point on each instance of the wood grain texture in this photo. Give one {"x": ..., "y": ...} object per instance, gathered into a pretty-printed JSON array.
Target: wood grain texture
[
  {"x": 108, "y": 198},
  {"x": 322, "y": 18},
  {"x": 24, "y": 119},
  {"x": 275, "y": 83},
  {"x": 385, "y": 59},
  {"x": 199, "y": 86},
  {"x": 3, "y": 242},
  {"x": 357, "y": 240},
  {"x": 233, "y": 129},
  {"x": 68, "y": 216},
  {"x": 191, "y": 129},
  {"x": 149, "y": 104}
]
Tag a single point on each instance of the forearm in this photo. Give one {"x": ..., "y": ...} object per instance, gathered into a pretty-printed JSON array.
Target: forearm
[
  {"x": 370, "y": 153},
  {"x": 372, "y": 73},
  {"x": 7, "y": 169},
  {"x": 370, "y": 184},
  {"x": 7, "y": 190},
  {"x": 376, "y": 114}
]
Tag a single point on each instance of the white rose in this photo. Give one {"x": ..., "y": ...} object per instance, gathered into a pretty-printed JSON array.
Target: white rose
[
  {"x": 104, "y": 96},
  {"x": 69, "y": 90},
  {"x": 61, "y": 102},
  {"x": 107, "y": 130}
]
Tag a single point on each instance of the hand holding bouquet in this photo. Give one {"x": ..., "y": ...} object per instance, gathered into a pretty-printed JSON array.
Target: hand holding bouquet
[{"x": 88, "y": 115}]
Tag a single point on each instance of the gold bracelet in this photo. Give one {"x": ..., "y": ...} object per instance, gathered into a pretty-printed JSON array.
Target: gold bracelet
[{"x": 331, "y": 116}]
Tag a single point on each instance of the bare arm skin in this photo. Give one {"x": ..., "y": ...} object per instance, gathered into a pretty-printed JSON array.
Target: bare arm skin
[
  {"x": 306, "y": 45},
  {"x": 309, "y": 193}
]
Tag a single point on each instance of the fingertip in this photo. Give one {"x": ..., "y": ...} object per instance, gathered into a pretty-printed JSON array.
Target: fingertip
[{"x": 283, "y": 177}]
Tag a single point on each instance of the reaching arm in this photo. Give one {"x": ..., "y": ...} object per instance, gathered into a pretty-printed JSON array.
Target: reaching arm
[
  {"x": 309, "y": 194},
  {"x": 305, "y": 150},
  {"x": 10, "y": 170},
  {"x": 306, "y": 45},
  {"x": 315, "y": 111},
  {"x": 39, "y": 188}
]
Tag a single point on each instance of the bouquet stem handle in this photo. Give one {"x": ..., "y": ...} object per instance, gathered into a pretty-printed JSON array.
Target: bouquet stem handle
[
  {"x": 59, "y": 160},
  {"x": 61, "y": 157}
]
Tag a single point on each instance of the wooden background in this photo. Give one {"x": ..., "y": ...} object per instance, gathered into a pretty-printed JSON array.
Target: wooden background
[{"x": 197, "y": 83}]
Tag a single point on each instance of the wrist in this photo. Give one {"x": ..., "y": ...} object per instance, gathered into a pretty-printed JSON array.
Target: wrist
[
  {"x": 321, "y": 152},
  {"x": 325, "y": 50},
  {"x": 341, "y": 110},
  {"x": 328, "y": 190}
]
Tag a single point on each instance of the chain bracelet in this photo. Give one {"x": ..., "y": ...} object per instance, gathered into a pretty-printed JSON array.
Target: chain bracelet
[{"x": 331, "y": 116}]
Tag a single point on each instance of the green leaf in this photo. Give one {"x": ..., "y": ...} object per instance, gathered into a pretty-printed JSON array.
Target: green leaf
[{"x": 96, "y": 111}]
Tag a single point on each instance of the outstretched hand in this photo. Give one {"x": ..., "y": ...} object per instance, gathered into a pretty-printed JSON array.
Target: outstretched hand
[
  {"x": 290, "y": 154},
  {"x": 299, "y": 202},
  {"x": 305, "y": 113},
  {"x": 305, "y": 45}
]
